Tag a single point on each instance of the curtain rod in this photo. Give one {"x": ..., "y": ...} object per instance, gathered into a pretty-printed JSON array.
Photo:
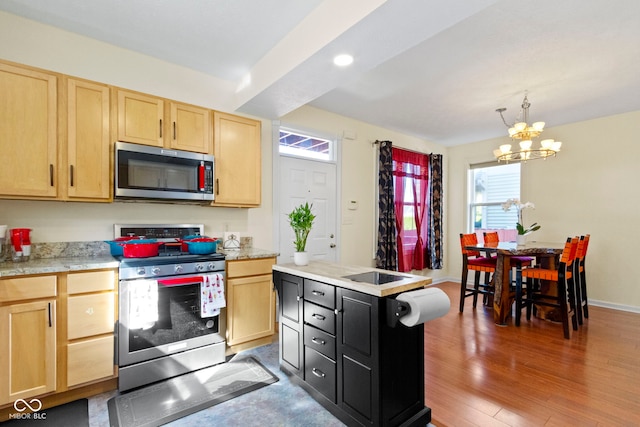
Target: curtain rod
[{"x": 376, "y": 142}]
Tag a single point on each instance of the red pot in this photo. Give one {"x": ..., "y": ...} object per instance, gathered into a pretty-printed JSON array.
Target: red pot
[{"x": 133, "y": 249}]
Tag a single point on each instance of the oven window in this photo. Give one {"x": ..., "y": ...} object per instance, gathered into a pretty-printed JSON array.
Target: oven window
[{"x": 178, "y": 319}]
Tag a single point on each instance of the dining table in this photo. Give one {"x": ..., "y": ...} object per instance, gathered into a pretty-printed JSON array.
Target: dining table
[{"x": 546, "y": 254}]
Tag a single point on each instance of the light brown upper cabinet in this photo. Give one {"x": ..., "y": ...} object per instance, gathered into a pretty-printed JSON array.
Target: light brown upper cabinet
[
  {"x": 28, "y": 133},
  {"x": 143, "y": 119},
  {"x": 140, "y": 118},
  {"x": 190, "y": 128},
  {"x": 87, "y": 173},
  {"x": 237, "y": 153}
]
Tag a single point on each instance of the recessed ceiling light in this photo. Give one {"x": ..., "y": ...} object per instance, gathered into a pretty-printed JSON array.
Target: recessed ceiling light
[{"x": 343, "y": 60}]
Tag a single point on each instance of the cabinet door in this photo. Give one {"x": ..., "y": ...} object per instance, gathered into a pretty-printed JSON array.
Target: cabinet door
[
  {"x": 250, "y": 309},
  {"x": 28, "y": 356},
  {"x": 238, "y": 160},
  {"x": 88, "y": 159},
  {"x": 291, "y": 329},
  {"x": 190, "y": 128},
  {"x": 358, "y": 355},
  {"x": 28, "y": 133},
  {"x": 140, "y": 118}
]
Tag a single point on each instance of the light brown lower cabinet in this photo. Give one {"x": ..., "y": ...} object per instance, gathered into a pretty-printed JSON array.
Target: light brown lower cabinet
[
  {"x": 27, "y": 337},
  {"x": 250, "y": 302},
  {"x": 56, "y": 336}
]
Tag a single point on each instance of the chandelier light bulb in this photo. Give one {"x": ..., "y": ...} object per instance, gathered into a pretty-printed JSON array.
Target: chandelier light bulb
[
  {"x": 512, "y": 131},
  {"x": 520, "y": 126},
  {"x": 525, "y": 144},
  {"x": 556, "y": 145},
  {"x": 546, "y": 144},
  {"x": 505, "y": 148},
  {"x": 538, "y": 126}
]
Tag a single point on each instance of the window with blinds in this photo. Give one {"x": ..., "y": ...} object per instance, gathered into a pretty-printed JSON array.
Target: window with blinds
[{"x": 490, "y": 185}]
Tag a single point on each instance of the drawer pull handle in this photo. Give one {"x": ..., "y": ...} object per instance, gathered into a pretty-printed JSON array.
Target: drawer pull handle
[
  {"x": 318, "y": 373},
  {"x": 318, "y": 341},
  {"x": 318, "y": 316},
  {"x": 318, "y": 293}
]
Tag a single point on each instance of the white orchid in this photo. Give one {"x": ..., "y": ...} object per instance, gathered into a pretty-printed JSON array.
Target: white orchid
[{"x": 520, "y": 207}]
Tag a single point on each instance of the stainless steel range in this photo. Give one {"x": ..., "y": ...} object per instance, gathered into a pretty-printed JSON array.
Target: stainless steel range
[{"x": 169, "y": 308}]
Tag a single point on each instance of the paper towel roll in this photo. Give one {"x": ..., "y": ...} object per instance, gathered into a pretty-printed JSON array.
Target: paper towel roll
[{"x": 424, "y": 305}]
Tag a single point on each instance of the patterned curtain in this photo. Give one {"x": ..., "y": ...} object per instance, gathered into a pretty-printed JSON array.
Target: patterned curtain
[
  {"x": 386, "y": 254},
  {"x": 434, "y": 242}
]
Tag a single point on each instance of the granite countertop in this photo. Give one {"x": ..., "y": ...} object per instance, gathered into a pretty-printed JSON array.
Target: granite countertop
[
  {"x": 88, "y": 258},
  {"x": 333, "y": 274},
  {"x": 56, "y": 265},
  {"x": 248, "y": 253}
]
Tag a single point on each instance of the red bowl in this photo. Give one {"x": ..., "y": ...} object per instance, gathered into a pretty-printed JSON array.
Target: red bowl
[{"x": 140, "y": 250}]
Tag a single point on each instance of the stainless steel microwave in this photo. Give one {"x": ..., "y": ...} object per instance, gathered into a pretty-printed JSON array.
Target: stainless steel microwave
[{"x": 148, "y": 172}]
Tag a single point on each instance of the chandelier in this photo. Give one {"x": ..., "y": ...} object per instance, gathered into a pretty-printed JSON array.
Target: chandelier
[{"x": 525, "y": 133}]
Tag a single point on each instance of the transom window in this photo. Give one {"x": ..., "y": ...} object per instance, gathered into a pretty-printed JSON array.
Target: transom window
[{"x": 300, "y": 145}]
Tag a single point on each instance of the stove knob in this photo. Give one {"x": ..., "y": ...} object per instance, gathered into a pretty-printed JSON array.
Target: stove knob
[
  {"x": 199, "y": 267},
  {"x": 210, "y": 266},
  {"x": 155, "y": 271},
  {"x": 141, "y": 271},
  {"x": 178, "y": 269}
]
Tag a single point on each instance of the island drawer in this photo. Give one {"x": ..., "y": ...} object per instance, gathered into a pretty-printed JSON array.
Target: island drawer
[
  {"x": 320, "y": 317},
  {"x": 320, "y": 373},
  {"x": 320, "y": 341},
  {"x": 320, "y": 293}
]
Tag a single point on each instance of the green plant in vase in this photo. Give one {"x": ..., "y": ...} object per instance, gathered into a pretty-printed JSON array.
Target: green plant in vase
[{"x": 301, "y": 221}]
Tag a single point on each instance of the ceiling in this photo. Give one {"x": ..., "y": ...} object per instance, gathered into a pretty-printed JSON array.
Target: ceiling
[{"x": 435, "y": 69}]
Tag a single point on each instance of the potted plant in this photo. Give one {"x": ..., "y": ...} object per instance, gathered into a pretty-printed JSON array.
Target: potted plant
[
  {"x": 301, "y": 220},
  {"x": 522, "y": 230}
]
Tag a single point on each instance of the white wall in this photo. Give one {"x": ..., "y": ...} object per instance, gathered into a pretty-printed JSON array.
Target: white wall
[{"x": 591, "y": 187}]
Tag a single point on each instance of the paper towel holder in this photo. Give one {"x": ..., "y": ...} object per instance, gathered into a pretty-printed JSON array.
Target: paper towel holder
[{"x": 395, "y": 310}]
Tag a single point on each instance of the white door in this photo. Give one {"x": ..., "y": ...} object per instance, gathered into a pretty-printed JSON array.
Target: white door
[{"x": 308, "y": 181}]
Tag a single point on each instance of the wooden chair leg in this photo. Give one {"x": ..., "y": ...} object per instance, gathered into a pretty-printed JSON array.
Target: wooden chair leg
[
  {"x": 584, "y": 303},
  {"x": 476, "y": 287},
  {"x": 463, "y": 288},
  {"x": 564, "y": 312},
  {"x": 578, "y": 293},
  {"x": 518, "y": 294}
]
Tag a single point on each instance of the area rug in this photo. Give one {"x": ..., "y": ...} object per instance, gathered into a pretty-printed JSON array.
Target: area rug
[
  {"x": 177, "y": 397},
  {"x": 74, "y": 413}
]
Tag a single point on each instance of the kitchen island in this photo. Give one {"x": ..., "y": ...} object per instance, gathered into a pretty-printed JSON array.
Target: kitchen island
[{"x": 338, "y": 343}]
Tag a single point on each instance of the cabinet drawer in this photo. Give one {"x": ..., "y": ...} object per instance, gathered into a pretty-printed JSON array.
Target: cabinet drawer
[
  {"x": 19, "y": 288},
  {"x": 320, "y": 293},
  {"x": 90, "y": 360},
  {"x": 320, "y": 372},
  {"x": 90, "y": 315},
  {"x": 90, "y": 281},
  {"x": 320, "y": 317},
  {"x": 250, "y": 267},
  {"x": 320, "y": 341}
]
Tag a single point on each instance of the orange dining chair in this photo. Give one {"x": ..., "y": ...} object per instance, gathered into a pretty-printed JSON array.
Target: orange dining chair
[
  {"x": 517, "y": 261},
  {"x": 562, "y": 278},
  {"x": 472, "y": 261},
  {"x": 582, "y": 306}
]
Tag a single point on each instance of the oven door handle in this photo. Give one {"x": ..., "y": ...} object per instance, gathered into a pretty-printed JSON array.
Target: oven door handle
[{"x": 178, "y": 281}]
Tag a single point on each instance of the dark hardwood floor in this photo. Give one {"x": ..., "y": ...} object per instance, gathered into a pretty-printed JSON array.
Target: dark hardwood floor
[{"x": 481, "y": 374}]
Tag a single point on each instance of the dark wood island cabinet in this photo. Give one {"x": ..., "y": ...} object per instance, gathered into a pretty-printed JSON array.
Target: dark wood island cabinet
[{"x": 336, "y": 343}]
